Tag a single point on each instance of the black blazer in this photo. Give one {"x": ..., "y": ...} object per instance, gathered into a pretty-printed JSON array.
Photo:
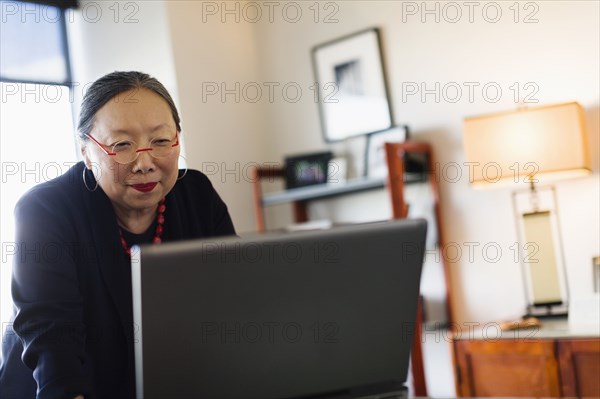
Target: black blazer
[{"x": 73, "y": 331}]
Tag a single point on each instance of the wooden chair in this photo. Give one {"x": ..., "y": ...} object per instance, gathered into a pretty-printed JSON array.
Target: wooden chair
[
  {"x": 258, "y": 174},
  {"x": 395, "y": 154}
]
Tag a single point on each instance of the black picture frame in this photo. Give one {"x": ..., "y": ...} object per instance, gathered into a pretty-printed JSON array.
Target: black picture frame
[
  {"x": 307, "y": 169},
  {"x": 353, "y": 95}
]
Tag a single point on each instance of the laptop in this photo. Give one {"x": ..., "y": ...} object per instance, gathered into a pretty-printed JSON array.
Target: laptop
[{"x": 320, "y": 314}]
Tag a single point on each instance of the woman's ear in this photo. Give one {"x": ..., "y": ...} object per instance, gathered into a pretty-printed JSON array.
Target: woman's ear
[{"x": 84, "y": 154}]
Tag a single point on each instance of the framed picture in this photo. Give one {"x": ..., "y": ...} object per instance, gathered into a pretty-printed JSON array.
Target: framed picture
[
  {"x": 352, "y": 89},
  {"x": 375, "y": 160}
]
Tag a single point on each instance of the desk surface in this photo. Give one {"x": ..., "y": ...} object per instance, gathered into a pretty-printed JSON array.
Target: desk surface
[{"x": 550, "y": 329}]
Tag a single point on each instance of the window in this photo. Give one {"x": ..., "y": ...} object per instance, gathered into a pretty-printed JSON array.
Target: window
[{"x": 36, "y": 115}]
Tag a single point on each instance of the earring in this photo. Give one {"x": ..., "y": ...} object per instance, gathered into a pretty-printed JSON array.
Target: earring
[
  {"x": 184, "y": 173},
  {"x": 85, "y": 182},
  {"x": 185, "y": 170}
]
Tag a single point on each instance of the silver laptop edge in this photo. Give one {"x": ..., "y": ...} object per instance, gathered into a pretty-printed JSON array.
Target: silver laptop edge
[{"x": 136, "y": 281}]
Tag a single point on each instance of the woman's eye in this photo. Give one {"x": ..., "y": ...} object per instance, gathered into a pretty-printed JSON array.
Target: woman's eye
[
  {"x": 161, "y": 142},
  {"x": 122, "y": 146}
]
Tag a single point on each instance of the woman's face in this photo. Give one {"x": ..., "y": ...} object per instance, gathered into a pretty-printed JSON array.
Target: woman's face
[{"x": 138, "y": 115}]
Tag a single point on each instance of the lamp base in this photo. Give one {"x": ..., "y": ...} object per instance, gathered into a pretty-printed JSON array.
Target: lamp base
[
  {"x": 553, "y": 309},
  {"x": 544, "y": 273}
]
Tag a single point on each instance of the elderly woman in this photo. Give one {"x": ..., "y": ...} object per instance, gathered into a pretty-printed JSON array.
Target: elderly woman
[{"x": 73, "y": 331}]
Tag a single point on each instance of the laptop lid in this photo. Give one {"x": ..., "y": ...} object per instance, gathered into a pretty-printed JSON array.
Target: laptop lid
[{"x": 297, "y": 315}]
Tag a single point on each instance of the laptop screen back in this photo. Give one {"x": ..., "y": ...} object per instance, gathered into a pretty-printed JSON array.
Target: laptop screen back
[{"x": 297, "y": 315}]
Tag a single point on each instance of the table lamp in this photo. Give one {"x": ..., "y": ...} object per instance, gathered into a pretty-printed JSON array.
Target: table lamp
[{"x": 532, "y": 145}]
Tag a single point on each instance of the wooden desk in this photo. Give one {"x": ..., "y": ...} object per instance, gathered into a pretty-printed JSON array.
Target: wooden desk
[{"x": 550, "y": 361}]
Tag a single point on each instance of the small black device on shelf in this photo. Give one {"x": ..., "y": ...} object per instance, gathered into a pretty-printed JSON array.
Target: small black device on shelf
[{"x": 307, "y": 170}]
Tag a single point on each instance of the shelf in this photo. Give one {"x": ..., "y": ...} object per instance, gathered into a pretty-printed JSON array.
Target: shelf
[
  {"x": 332, "y": 190},
  {"x": 322, "y": 191}
]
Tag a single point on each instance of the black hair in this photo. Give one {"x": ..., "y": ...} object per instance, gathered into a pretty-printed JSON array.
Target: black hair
[{"x": 112, "y": 84}]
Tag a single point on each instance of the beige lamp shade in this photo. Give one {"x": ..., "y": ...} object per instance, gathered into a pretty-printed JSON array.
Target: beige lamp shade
[{"x": 544, "y": 143}]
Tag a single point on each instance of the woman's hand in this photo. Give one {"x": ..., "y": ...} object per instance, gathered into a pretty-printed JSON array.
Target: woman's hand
[{"x": 79, "y": 397}]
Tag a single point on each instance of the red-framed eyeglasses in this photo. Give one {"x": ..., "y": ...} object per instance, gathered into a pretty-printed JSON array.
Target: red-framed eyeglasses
[{"x": 127, "y": 151}]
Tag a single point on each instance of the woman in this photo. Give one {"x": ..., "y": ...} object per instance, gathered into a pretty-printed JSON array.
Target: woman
[{"x": 73, "y": 330}]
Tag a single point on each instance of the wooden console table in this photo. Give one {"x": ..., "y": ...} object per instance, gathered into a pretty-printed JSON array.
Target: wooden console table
[{"x": 551, "y": 361}]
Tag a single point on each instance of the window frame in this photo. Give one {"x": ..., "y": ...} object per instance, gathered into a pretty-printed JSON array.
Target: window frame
[
  {"x": 67, "y": 83},
  {"x": 66, "y": 54}
]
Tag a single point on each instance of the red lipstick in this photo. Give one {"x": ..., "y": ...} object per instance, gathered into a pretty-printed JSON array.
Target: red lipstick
[{"x": 145, "y": 187}]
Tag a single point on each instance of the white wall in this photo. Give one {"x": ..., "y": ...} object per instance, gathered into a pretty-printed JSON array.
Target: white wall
[
  {"x": 120, "y": 36},
  {"x": 559, "y": 54},
  {"x": 225, "y": 136}
]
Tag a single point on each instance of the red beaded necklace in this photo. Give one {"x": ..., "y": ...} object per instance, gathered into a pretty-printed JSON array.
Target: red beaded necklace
[{"x": 160, "y": 218}]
